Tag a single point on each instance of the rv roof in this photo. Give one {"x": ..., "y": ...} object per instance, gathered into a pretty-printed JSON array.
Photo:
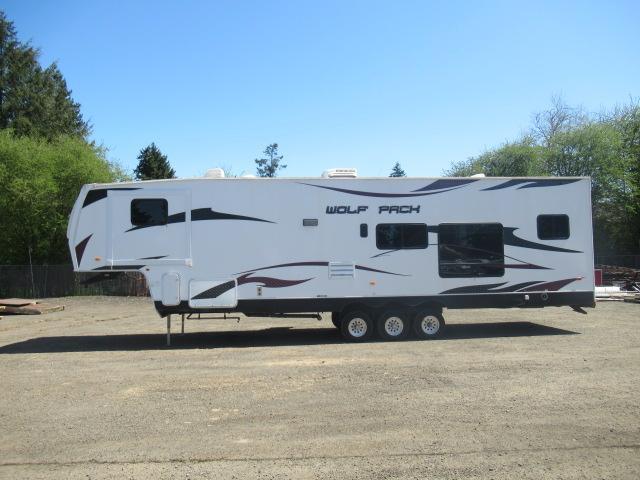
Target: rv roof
[{"x": 320, "y": 179}]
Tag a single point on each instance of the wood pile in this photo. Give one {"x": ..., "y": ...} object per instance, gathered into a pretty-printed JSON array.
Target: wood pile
[
  {"x": 614, "y": 275},
  {"x": 22, "y": 306}
]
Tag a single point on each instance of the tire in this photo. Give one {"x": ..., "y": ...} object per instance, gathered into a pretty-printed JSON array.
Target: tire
[
  {"x": 428, "y": 324},
  {"x": 393, "y": 324},
  {"x": 356, "y": 326},
  {"x": 336, "y": 319}
]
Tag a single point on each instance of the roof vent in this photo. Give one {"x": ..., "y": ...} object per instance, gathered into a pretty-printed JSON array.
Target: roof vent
[
  {"x": 214, "y": 173},
  {"x": 478, "y": 175},
  {"x": 340, "y": 173}
]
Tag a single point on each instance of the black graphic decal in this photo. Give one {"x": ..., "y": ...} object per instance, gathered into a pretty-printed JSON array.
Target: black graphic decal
[
  {"x": 200, "y": 214},
  {"x": 215, "y": 291},
  {"x": 267, "y": 282},
  {"x": 174, "y": 218},
  {"x": 378, "y": 194},
  {"x": 320, "y": 264},
  {"x": 524, "y": 183},
  {"x": 270, "y": 282},
  {"x": 100, "y": 193},
  {"x": 369, "y": 269},
  {"x": 153, "y": 258},
  {"x": 551, "y": 286},
  {"x": 489, "y": 288},
  {"x": 208, "y": 214},
  {"x": 533, "y": 286},
  {"x": 511, "y": 239},
  {"x": 446, "y": 183},
  {"x": 80, "y": 248},
  {"x": 295, "y": 264}
]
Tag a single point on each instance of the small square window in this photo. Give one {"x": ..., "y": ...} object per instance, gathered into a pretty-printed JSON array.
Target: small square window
[
  {"x": 553, "y": 227},
  {"x": 148, "y": 212}
]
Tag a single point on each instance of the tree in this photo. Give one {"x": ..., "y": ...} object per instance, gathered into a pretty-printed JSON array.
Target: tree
[
  {"x": 515, "y": 159},
  {"x": 34, "y": 101},
  {"x": 153, "y": 165},
  {"x": 39, "y": 183},
  {"x": 269, "y": 165},
  {"x": 397, "y": 171},
  {"x": 566, "y": 142},
  {"x": 560, "y": 117}
]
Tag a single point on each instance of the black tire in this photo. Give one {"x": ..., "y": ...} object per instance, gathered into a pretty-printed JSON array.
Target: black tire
[
  {"x": 336, "y": 319},
  {"x": 356, "y": 326},
  {"x": 393, "y": 324},
  {"x": 428, "y": 323}
]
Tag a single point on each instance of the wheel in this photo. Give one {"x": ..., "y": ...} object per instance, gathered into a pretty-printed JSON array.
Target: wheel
[
  {"x": 428, "y": 324},
  {"x": 336, "y": 319},
  {"x": 356, "y": 326},
  {"x": 393, "y": 324}
]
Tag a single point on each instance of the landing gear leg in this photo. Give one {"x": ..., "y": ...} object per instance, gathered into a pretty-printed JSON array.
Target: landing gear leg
[{"x": 168, "y": 330}]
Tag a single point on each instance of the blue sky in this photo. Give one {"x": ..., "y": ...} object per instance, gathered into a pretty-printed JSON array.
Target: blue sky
[{"x": 336, "y": 83}]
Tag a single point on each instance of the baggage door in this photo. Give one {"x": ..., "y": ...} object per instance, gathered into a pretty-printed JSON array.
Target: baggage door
[{"x": 149, "y": 227}]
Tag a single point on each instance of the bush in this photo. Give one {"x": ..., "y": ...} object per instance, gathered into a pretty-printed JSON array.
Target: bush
[{"x": 39, "y": 182}]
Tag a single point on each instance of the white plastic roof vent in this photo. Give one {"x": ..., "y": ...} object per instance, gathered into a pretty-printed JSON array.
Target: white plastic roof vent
[
  {"x": 214, "y": 173},
  {"x": 478, "y": 175},
  {"x": 340, "y": 173}
]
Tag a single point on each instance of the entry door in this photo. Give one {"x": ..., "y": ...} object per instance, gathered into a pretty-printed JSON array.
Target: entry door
[{"x": 149, "y": 227}]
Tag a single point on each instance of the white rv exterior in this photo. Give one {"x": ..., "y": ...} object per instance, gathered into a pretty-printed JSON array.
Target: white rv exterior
[{"x": 384, "y": 254}]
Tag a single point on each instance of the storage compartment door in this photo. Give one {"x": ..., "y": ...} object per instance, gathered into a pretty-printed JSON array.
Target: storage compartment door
[
  {"x": 171, "y": 289},
  {"x": 213, "y": 293}
]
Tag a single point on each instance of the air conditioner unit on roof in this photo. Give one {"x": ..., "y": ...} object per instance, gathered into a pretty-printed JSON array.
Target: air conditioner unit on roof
[{"x": 340, "y": 173}]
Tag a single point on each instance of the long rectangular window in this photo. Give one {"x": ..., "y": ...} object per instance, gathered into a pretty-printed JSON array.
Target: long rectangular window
[
  {"x": 398, "y": 236},
  {"x": 470, "y": 250},
  {"x": 147, "y": 212}
]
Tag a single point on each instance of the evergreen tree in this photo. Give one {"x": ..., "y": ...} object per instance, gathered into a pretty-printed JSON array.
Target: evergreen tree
[
  {"x": 153, "y": 165},
  {"x": 397, "y": 171},
  {"x": 269, "y": 166},
  {"x": 34, "y": 101}
]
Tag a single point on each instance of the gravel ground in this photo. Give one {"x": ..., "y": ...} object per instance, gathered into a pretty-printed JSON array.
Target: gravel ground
[{"x": 92, "y": 392}]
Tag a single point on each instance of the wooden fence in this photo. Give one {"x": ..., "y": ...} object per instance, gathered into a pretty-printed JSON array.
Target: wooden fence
[{"x": 41, "y": 281}]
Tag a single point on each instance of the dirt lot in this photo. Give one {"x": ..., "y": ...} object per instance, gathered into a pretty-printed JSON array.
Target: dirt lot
[{"x": 92, "y": 392}]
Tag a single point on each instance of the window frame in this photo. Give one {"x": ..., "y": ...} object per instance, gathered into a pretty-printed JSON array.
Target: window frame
[
  {"x": 475, "y": 273},
  {"x": 555, "y": 215},
  {"x": 153, "y": 224},
  {"x": 426, "y": 231}
]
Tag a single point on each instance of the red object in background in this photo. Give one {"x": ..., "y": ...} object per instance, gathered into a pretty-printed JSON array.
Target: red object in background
[{"x": 598, "y": 275}]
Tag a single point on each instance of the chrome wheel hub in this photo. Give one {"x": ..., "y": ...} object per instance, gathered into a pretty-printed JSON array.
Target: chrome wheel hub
[
  {"x": 357, "y": 327},
  {"x": 393, "y": 326},
  {"x": 430, "y": 325}
]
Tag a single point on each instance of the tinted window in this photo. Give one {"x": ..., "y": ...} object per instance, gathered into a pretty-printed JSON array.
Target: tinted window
[
  {"x": 553, "y": 227},
  {"x": 396, "y": 236},
  {"x": 146, "y": 212},
  {"x": 470, "y": 250}
]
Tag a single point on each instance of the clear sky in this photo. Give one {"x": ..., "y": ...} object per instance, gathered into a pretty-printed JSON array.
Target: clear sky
[{"x": 336, "y": 83}]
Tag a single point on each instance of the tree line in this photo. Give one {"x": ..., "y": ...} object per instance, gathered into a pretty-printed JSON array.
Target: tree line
[
  {"x": 45, "y": 154},
  {"x": 567, "y": 141}
]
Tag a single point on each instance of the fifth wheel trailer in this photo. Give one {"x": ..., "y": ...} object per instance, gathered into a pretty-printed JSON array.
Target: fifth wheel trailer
[{"x": 384, "y": 255}]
